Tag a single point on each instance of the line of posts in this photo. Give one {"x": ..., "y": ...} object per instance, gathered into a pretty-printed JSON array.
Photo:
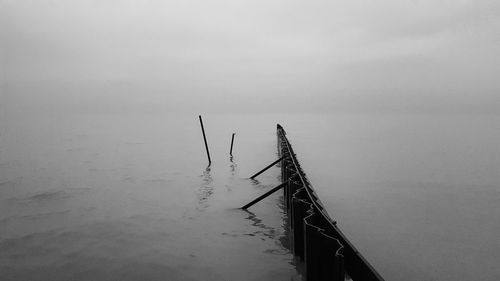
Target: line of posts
[
  {"x": 316, "y": 240},
  {"x": 206, "y": 144}
]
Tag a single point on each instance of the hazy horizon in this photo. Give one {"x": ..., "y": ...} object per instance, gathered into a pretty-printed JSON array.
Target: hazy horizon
[{"x": 233, "y": 56}]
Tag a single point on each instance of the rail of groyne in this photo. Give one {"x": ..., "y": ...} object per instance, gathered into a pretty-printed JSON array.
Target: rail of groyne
[{"x": 316, "y": 241}]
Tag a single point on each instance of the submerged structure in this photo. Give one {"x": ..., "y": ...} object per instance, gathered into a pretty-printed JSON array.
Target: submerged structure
[{"x": 319, "y": 245}]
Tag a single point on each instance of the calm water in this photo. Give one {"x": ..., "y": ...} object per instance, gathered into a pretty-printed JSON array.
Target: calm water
[{"x": 128, "y": 197}]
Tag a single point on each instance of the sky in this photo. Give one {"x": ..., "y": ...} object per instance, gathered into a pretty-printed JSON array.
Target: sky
[{"x": 250, "y": 56}]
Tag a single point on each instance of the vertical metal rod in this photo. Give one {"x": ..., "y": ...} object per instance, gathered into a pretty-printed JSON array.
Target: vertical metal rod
[
  {"x": 232, "y": 141},
  {"x": 205, "y": 139}
]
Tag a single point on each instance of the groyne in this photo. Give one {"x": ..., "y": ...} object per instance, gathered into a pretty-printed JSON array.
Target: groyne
[{"x": 318, "y": 244}]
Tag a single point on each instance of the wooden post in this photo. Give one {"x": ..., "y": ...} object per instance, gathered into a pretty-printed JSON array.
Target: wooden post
[
  {"x": 205, "y": 139},
  {"x": 232, "y": 141}
]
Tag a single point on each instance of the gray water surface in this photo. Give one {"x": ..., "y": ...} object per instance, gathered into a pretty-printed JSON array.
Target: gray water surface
[
  {"x": 418, "y": 194},
  {"x": 114, "y": 197},
  {"x": 128, "y": 197}
]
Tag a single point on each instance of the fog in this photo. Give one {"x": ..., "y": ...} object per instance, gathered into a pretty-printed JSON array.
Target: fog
[
  {"x": 254, "y": 56},
  {"x": 92, "y": 185}
]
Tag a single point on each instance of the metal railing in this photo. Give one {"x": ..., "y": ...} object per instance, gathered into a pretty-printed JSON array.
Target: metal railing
[{"x": 315, "y": 238}]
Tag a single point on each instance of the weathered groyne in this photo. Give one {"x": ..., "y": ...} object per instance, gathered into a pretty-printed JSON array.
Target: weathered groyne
[{"x": 316, "y": 240}]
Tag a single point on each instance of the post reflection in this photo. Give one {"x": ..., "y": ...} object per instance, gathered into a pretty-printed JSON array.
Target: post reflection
[
  {"x": 232, "y": 166},
  {"x": 206, "y": 189}
]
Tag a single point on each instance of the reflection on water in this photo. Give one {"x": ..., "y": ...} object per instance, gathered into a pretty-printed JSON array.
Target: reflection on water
[
  {"x": 277, "y": 233},
  {"x": 103, "y": 197},
  {"x": 112, "y": 205},
  {"x": 256, "y": 183},
  {"x": 285, "y": 239},
  {"x": 232, "y": 166},
  {"x": 206, "y": 189},
  {"x": 262, "y": 229}
]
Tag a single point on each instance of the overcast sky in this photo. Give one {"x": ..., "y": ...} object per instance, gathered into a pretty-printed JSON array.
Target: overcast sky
[{"x": 199, "y": 55}]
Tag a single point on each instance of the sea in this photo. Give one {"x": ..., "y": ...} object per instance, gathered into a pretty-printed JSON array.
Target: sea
[{"x": 130, "y": 196}]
